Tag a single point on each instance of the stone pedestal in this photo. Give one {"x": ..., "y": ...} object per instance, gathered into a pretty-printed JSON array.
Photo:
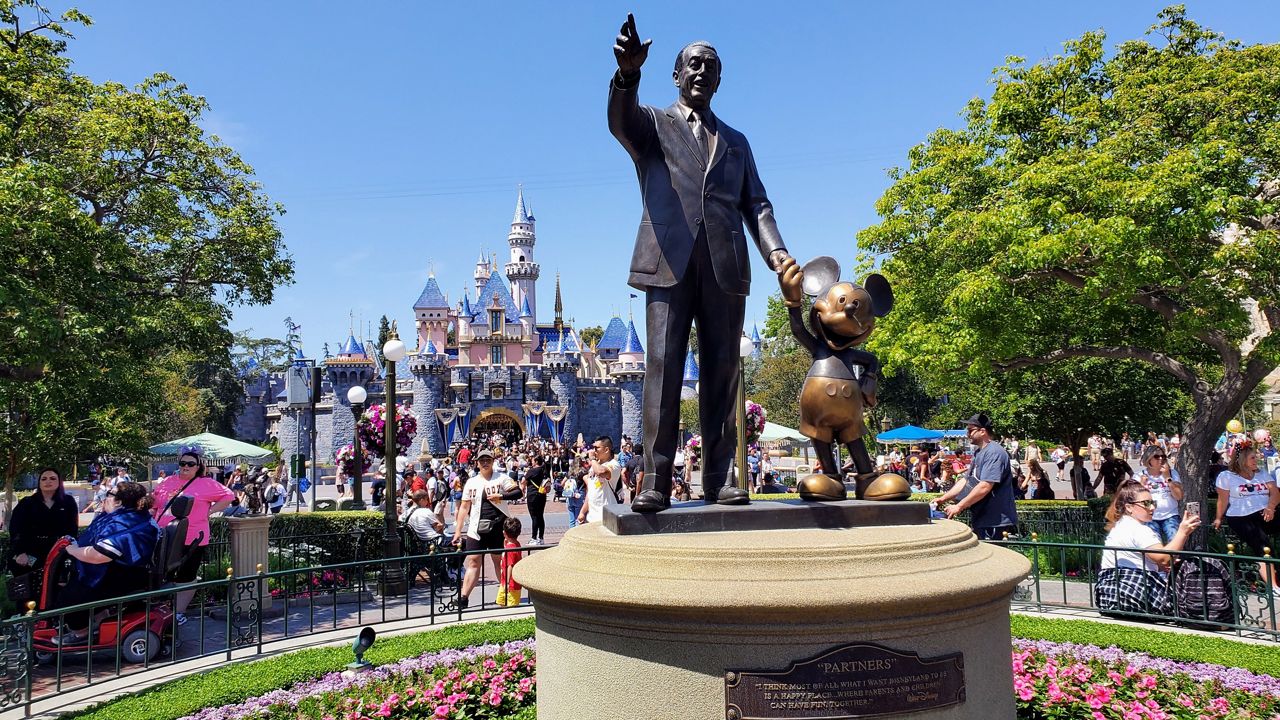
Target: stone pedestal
[
  {"x": 650, "y": 625},
  {"x": 249, "y": 550}
]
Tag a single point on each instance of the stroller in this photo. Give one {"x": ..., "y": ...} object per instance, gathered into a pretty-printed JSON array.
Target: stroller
[{"x": 140, "y": 629}]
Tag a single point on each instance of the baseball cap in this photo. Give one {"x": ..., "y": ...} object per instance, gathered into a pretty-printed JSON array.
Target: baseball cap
[
  {"x": 981, "y": 420},
  {"x": 485, "y": 453}
]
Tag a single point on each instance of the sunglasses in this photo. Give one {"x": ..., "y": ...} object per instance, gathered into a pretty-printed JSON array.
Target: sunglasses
[
  {"x": 111, "y": 495},
  {"x": 188, "y": 463},
  {"x": 1148, "y": 504}
]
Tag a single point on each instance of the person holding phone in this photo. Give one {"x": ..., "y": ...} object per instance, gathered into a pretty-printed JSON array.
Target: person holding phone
[{"x": 1135, "y": 563}]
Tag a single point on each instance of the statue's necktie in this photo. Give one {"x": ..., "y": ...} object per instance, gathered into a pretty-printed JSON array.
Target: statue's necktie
[{"x": 700, "y": 133}]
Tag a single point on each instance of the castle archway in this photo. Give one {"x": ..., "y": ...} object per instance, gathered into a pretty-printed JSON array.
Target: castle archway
[{"x": 498, "y": 419}]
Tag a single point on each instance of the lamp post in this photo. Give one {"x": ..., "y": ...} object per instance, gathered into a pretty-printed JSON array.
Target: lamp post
[
  {"x": 885, "y": 424},
  {"x": 745, "y": 348},
  {"x": 356, "y": 396},
  {"x": 393, "y": 582}
]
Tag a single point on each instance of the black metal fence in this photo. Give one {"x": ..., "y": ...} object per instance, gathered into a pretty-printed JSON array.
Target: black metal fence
[
  {"x": 1221, "y": 592},
  {"x": 235, "y": 616}
]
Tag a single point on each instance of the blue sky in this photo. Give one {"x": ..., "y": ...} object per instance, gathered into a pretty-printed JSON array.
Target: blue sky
[{"x": 395, "y": 134}]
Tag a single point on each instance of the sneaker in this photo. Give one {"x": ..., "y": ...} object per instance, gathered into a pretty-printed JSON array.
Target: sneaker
[
  {"x": 69, "y": 637},
  {"x": 463, "y": 602},
  {"x": 180, "y": 618}
]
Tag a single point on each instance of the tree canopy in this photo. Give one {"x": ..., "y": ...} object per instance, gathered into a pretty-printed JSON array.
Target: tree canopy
[
  {"x": 129, "y": 234},
  {"x": 1116, "y": 205}
]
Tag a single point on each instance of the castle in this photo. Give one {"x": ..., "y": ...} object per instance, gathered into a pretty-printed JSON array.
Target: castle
[{"x": 487, "y": 353}]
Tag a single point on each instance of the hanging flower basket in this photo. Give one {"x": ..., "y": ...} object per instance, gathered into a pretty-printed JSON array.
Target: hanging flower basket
[
  {"x": 372, "y": 428},
  {"x": 755, "y": 422},
  {"x": 346, "y": 459},
  {"x": 693, "y": 448}
]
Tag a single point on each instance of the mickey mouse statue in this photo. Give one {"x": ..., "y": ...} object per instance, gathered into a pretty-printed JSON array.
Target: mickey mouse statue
[{"x": 841, "y": 383}]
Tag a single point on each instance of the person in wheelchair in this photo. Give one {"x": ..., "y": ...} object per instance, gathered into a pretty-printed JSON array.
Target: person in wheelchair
[{"x": 112, "y": 556}]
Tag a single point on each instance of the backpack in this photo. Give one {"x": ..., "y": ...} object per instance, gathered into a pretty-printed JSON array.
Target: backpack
[
  {"x": 272, "y": 494},
  {"x": 1202, "y": 588}
]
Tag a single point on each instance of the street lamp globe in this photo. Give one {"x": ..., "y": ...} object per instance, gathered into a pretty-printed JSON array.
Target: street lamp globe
[
  {"x": 357, "y": 395},
  {"x": 394, "y": 350},
  {"x": 746, "y": 347},
  {"x": 687, "y": 393}
]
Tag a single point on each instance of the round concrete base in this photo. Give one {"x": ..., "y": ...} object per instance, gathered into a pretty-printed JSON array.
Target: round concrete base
[{"x": 647, "y": 626}]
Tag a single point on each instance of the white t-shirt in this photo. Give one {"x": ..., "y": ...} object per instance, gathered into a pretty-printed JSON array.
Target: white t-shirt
[
  {"x": 1166, "y": 503},
  {"x": 603, "y": 491},
  {"x": 1129, "y": 533},
  {"x": 1246, "y": 496},
  {"x": 476, "y": 489},
  {"x": 422, "y": 520}
]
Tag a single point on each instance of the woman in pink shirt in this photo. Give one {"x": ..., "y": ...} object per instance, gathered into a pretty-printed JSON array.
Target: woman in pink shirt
[{"x": 210, "y": 496}]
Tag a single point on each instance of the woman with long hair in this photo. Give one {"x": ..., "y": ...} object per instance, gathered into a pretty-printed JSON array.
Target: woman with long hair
[
  {"x": 1038, "y": 481},
  {"x": 1247, "y": 498},
  {"x": 1158, "y": 476},
  {"x": 209, "y": 495},
  {"x": 39, "y": 520},
  {"x": 1136, "y": 561}
]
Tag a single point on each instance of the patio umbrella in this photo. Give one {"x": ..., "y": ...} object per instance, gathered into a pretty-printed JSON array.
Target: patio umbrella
[
  {"x": 909, "y": 434},
  {"x": 214, "y": 447},
  {"x": 774, "y": 432}
]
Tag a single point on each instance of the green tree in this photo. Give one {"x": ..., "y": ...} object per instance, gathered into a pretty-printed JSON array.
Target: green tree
[
  {"x": 384, "y": 334},
  {"x": 1067, "y": 402},
  {"x": 129, "y": 233},
  {"x": 1120, "y": 206},
  {"x": 591, "y": 335}
]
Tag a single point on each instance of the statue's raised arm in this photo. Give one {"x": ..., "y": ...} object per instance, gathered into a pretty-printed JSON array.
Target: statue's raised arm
[{"x": 627, "y": 48}]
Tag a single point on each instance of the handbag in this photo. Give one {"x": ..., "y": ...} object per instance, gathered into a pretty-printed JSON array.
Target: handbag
[{"x": 22, "y": 588}]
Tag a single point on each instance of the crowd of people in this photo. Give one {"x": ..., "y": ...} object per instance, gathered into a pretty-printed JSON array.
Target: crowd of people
[{"x": 464, "y": 500}]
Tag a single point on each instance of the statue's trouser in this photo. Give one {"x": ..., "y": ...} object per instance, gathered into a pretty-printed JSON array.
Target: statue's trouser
[{"x": 669, "y": 313}]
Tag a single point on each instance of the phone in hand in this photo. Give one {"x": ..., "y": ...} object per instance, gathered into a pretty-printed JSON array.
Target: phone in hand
[{"x": 1193, "y": 508}]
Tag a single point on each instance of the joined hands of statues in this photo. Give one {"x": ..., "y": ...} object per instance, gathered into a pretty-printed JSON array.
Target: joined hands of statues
[
  {"x": 791, "y": 280},
  {"x": 630, "y": 52}
]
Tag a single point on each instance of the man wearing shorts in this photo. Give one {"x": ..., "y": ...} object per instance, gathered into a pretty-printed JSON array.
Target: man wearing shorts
[{"x": 478, "y": 524}]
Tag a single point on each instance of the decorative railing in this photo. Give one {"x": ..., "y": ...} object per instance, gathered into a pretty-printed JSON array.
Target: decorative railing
[{"x": 232, "y": 617}]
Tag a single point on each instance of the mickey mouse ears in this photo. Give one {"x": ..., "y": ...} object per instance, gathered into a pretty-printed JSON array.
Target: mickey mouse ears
[
  {"x": 820, "y": 273},
  {"x": 823, "y": 271}
]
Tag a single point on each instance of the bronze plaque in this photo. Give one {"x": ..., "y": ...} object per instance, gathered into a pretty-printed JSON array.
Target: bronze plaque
[{"x": 854, "y": 681}]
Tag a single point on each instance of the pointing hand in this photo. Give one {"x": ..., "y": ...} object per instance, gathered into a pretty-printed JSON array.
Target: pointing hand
[{"x": 627, "y": 48}]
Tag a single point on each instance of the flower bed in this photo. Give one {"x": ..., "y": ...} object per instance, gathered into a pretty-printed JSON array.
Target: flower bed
[
  {"x": 1051, "y": 680},
  {"x": 484, "y": 681},
  {"x": 1067, "y": 680}
]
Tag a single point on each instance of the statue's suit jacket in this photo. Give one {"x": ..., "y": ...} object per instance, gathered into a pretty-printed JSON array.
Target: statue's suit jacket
[{"x": 681, "y": 194}]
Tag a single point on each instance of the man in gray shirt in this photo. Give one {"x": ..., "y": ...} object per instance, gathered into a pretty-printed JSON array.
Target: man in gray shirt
[{"x": 991, "y": 498}]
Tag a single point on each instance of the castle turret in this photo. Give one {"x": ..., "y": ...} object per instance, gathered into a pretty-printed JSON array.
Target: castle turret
[
  {"x": 559, "y": 306},
  {"x": 522, "y": 271},
  {"x": 350, "y": 367},
  {"x": 690, "y": 381},
  {"x": 629, "y": 373},
  {"x": 561, "y": 368},
  {"x": 756, "y": 342},
  {"x": 481, "y": 274},
  {"x": 294, "y": 432},
  {"x": 430, "y": 370},
  {"x": 432, "y": 314}
]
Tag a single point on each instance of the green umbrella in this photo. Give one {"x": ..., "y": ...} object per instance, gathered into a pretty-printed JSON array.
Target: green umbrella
[{"x": 214, "y": 447}]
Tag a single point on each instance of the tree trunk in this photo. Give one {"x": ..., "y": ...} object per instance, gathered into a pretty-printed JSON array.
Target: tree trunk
[{"x": 1195, "y": 455}]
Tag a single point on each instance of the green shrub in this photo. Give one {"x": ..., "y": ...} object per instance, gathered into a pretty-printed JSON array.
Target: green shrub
[{"x": 237, "y": 682}]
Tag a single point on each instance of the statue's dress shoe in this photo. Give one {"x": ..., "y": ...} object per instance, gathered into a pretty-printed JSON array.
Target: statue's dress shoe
[
  {"x": 821, "y": 487},
  {"x": 650, "y": 501},
  {"x": 883, "y": 486},
  {"x": 732, "y": 495}
]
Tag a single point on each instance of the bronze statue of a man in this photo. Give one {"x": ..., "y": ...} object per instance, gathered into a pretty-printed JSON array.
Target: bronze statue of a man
[{"x": 700, "y": 187}]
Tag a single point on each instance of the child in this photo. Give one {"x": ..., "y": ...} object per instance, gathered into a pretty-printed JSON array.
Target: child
[{"x": 509, "y": 590}]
